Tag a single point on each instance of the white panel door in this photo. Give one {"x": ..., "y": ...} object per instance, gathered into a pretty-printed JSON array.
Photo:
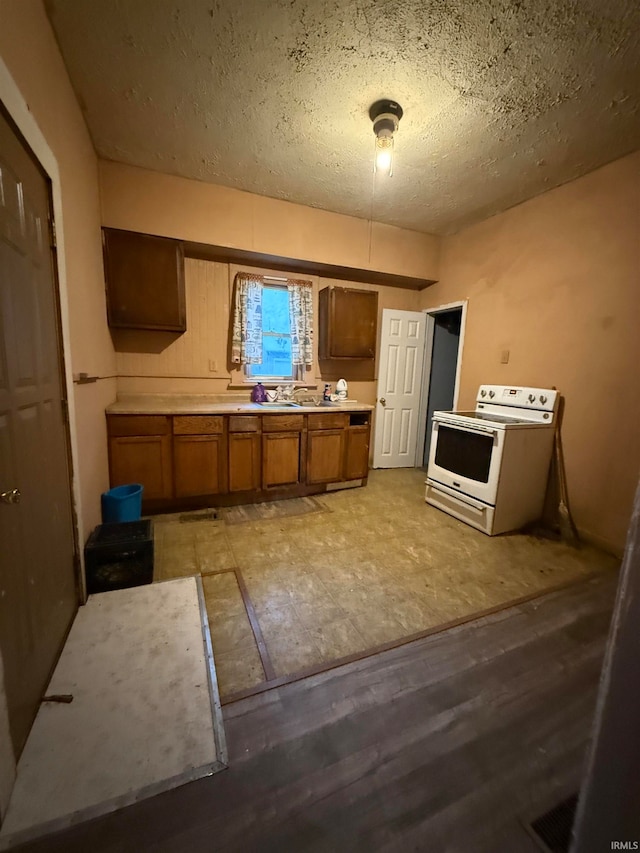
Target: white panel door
[{"x": 399, "y": 385}]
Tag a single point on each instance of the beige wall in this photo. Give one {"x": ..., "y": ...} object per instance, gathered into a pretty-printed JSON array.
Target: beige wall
[
  {"x": 196, "y": 362},
  {"x": 555, "y": 281},
  {"x": 36, "y": 90},
  {"x": 140, "y": 200}
]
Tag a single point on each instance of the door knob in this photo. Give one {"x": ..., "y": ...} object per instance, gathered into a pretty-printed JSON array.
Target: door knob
[
  {"x": 383, "y": 401},
  {"x": 12, "y": 496}
]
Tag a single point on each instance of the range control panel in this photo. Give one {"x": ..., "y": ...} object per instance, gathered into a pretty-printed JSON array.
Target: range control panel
[{"x": 541, "y": 399}]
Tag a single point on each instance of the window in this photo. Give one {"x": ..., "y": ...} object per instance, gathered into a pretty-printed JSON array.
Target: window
[
  {"x": 276, "y": 337},
  {"x": 272, "y": 327}
]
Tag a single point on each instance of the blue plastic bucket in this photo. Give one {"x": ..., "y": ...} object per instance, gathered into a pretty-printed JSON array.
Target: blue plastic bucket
[{"x": 124, "y": 503}]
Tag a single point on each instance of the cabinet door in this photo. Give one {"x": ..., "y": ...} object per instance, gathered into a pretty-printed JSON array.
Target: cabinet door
[
  {"x": 142, "y": 459},
  {"x": 348, "y": 323},
  {"x": 280, "y": 459},
  {"x": 244, "y": 461},
  {"x": 145, "y": 281},
  {"x": 199, "y": 465},
  {"x": 356, "y": 463},
  {"x": 325, "y": 454}
]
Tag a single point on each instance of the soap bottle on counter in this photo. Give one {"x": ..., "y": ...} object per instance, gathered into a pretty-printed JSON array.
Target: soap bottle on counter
[
  {"x": 258, "y": 393},
  {"x": 327, "y": 392}
]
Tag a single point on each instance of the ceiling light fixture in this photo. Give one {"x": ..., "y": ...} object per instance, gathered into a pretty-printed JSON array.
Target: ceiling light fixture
[{"x": 385, "y": 116}]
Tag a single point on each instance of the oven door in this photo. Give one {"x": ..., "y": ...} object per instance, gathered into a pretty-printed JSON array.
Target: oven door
[{"x": 466, "y": 458}]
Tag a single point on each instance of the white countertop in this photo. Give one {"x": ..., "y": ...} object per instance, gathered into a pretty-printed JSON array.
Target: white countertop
[{"x": 174, "y": 404}]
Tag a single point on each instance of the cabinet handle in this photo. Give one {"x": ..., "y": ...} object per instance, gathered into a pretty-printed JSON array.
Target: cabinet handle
[{"x": 12, "y": 496}]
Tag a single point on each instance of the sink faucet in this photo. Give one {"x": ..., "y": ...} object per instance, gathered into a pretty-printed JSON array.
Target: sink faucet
[{"x": 297, "y": 391}]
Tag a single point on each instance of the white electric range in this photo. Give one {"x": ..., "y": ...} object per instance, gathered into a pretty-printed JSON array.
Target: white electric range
[{"x": 489, "y": 467}]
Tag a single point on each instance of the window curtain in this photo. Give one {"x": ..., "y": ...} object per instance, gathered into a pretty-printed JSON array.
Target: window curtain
[
  {"x": 246, "y": 334},
  {"x": 301, "y": 315}
]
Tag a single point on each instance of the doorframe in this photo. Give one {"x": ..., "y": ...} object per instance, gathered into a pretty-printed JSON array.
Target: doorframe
[
  {"x": 18, "y": 110},
  {"x": 426, "y": 369}
]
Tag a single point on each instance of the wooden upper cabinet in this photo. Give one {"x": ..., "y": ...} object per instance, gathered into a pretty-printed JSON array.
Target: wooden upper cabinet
[
  {"x": 145, "y": 281},
  {"x": 347, "y": 323}
]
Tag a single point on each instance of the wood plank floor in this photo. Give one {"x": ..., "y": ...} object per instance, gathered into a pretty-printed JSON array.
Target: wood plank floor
[{"x": 444, "y": 744}]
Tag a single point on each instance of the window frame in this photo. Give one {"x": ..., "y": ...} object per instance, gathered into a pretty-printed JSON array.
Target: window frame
[{"x": 306, "y": 378}]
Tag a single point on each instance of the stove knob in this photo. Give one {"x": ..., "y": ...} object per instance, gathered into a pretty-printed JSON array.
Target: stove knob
[
  {"x": 543, "y": 399},
  {"x": 492, "y": 394},
  {"x": 531, "y": 398},
  {"x": 483, "y": 393}
]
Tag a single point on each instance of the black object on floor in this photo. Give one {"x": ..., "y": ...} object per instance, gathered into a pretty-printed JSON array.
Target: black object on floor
[
  {"x": 119, "y": 555},
  {"x": 554, "y": 827}
]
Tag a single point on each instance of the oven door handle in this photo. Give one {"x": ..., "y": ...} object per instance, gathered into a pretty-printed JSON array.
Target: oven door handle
[{"x": 464, "y": 428}]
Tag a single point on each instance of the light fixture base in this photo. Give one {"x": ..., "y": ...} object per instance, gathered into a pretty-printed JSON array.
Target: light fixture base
[{"x": 385, "y": 107}]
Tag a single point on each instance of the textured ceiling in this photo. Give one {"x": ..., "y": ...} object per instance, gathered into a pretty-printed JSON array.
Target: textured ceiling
[{"x": 502, "y": 100}]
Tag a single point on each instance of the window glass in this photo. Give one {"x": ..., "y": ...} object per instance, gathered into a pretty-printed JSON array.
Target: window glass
[
  {"x": 464, "y": 453},
  {"x": 276, "y": 336}
]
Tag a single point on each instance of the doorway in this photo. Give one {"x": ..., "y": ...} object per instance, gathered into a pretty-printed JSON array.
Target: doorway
[
  {"x": 444, "y": 365},
  {"x": 38, "y": 556},
  {"x": 443, "y": 357}
]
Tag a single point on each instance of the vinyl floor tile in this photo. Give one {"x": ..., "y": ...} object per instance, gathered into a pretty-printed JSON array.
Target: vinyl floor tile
[
  {"x": 239, "y": 669},
  {"x": 230, "y": 633},
  {"x": 294, "y": 652},
  {"x": 338, "y": 639},
  {"x": 317, "y": 612},
  {"x": 377, "y": 626}
]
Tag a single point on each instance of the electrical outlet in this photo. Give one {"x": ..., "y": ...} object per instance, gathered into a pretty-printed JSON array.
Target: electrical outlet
[
  {"x": 213, "y": 365},
  {"x": 504, "y": 358}
]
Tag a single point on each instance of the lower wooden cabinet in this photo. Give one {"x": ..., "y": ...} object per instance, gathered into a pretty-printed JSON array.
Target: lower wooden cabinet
[
  {"x": 245, "y": 473},
  {"x": 325, "y": 453},
  {"x": 199, "y": 455},
  {"x": 280, "y": 459},
  {"x": 356, "y": 456},
  {"x": 140, "y": 452},
  {"x": 142, "y": 459},
  {"x": 199, "y": 463},
  {"x": 187, "y": 459}
]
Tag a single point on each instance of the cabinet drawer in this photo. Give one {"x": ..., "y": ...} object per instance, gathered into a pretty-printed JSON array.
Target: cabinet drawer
[
  {"x": 337, "y": 420},
  {"x": 138, "y": 425},
  {"x": 244, "y": 423},
  {"x": 282, "y": 423},
  {"x": 198, "y": 424}
]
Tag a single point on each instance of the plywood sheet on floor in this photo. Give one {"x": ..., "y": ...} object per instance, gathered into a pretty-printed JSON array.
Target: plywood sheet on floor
[{"x": 145, "y": 714}]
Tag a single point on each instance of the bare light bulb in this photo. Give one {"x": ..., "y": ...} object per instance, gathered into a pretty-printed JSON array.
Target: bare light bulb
[{"x": 384, "y": 154}]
